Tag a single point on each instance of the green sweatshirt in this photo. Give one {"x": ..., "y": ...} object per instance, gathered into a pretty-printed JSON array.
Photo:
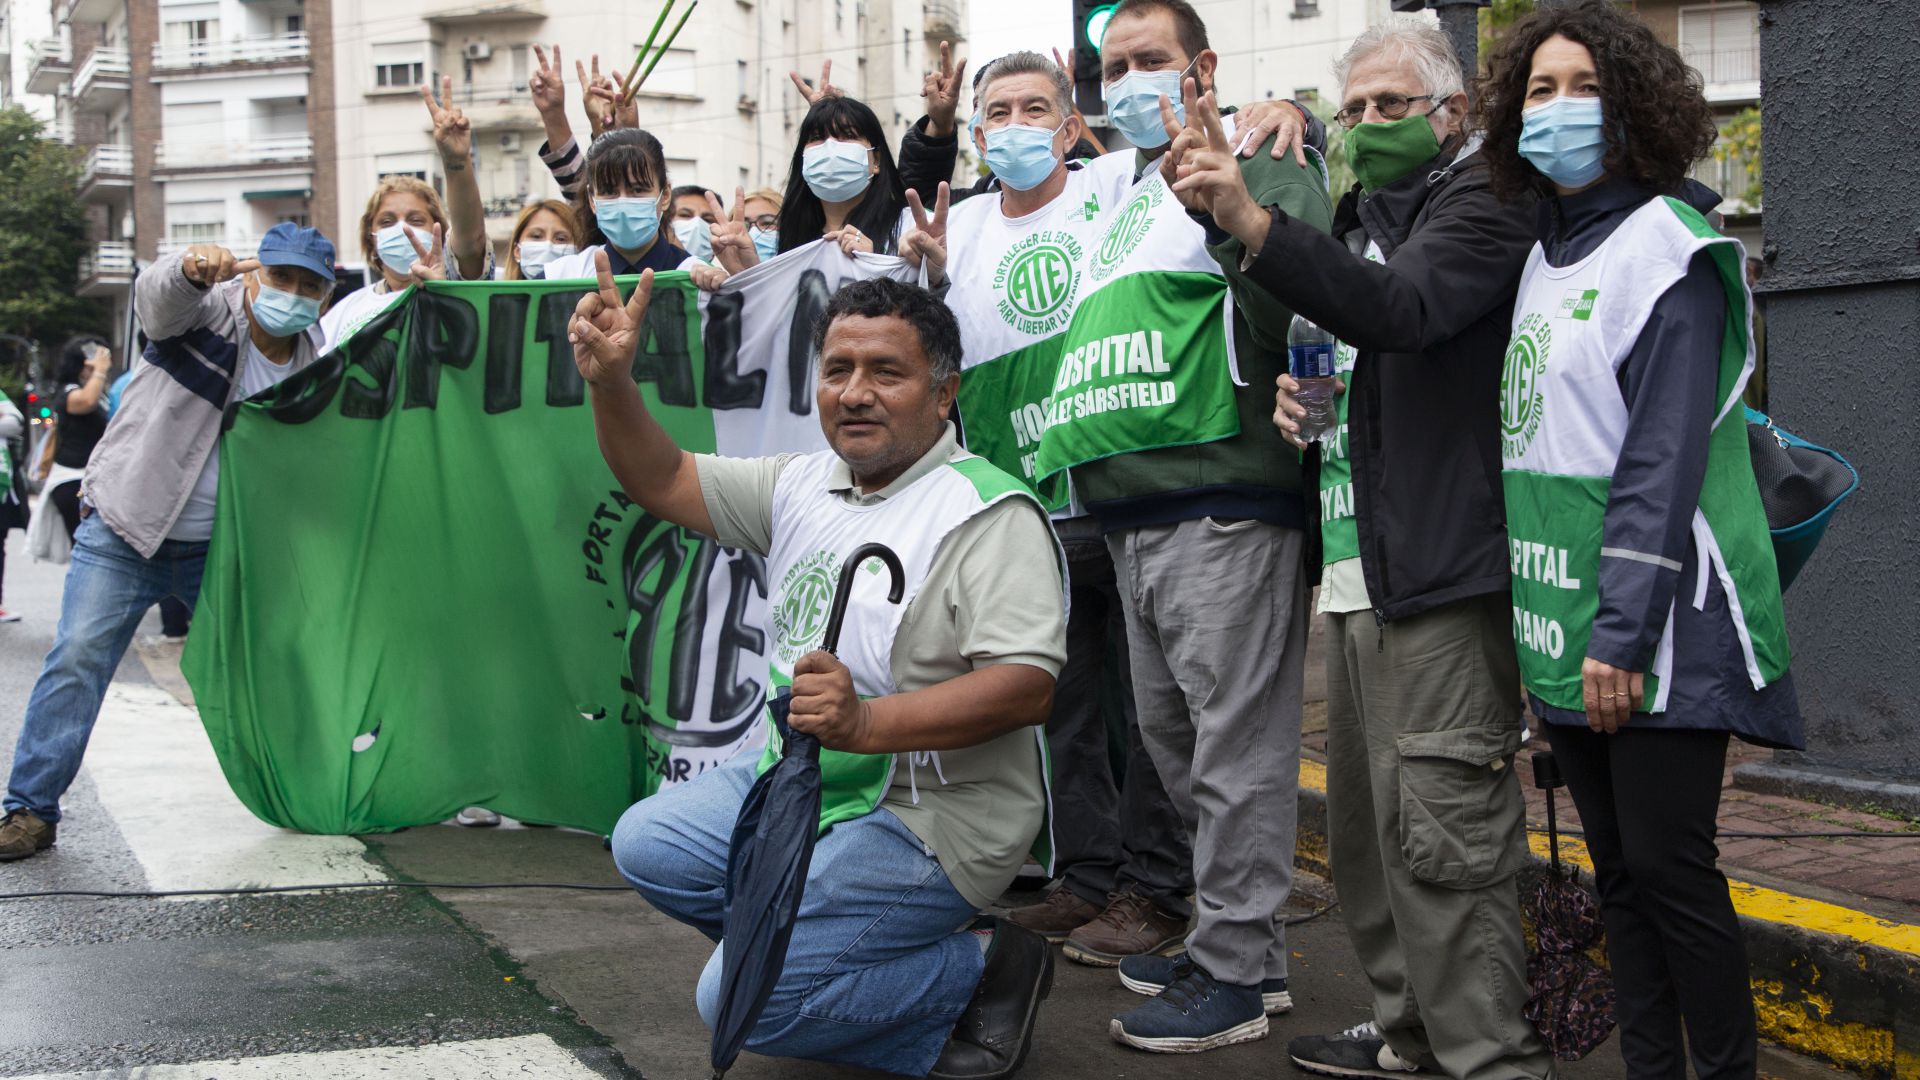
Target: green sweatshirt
[{"x": 1255, "y": 474}]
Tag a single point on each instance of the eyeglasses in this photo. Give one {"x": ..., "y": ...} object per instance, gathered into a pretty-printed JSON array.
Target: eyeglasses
[
  {"x": 1391, "y": 106},
  {"x": 765, "y": 222}
]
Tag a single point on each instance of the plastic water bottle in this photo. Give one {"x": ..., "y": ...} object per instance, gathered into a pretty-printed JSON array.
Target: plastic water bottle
[{"x": 1310, "y": 361}]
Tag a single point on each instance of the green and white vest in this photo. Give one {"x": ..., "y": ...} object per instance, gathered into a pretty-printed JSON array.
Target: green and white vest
[
  {"x": 812, "y": 529},
  {"x": 1562, "y": 425},
  {"x": 1015, "y": 285},
  {"x": 1148, "y": 358}
]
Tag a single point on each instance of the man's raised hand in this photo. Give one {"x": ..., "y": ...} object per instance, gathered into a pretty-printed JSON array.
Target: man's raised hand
[
  {"x": 211, "y": 264},
  {"x": 605, "y": 332},
  {"x": 1209, "y": 177},
  {"x": 941, "y": 90}
]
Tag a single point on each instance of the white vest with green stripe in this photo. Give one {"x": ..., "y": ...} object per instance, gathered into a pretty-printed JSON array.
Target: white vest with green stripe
[
  {"x": 813, "y": 529},
  {"x": 1563, "y": 421}
]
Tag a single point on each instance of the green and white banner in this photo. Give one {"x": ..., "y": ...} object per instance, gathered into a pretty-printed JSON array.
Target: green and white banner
[{"x": 426, "y": 591}]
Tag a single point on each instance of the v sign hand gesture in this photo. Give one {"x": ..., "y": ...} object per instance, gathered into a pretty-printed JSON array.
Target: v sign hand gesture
[
  {"x": 452, "y": 131},
  {"x": 926, "y": 243},
  {"x": 942, "y": 92},
  {"x": 1209, "y": 177},
  {"x": 605, "y": 332},
  {"x": 547, "y": 86},
  {"x": 732, "y": 248},
  {"x": 815, "y": 93},
  {"x": 432, "y": 262}
]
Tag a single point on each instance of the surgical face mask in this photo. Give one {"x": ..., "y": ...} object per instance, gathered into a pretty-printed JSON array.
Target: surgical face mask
[
  {"x": 1021, "y": 155},
  {"x": 628, "y": 223},
  {"x": 284, "y": 314},
  {"x": 396, "y": 251},
  {"x": 836, "y": 171},
  {"x": 1385, "y": 152},
  {"x": 1563, "y": 138},
  {"x": 1133, "y": 103},
  {"x": 536, "y": 254},
  {"x": 764, "y": 242},
  {"x": 694, "y": 237}
]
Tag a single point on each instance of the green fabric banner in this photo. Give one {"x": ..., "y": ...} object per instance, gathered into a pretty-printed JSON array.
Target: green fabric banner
[{"x": 426, "y": 591}]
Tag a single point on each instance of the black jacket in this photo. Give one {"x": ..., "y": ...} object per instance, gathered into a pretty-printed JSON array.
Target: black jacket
[{"x": 1430, "y": 327}]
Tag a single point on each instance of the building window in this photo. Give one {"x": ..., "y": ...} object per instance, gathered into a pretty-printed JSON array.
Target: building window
[
  {"x": 399, "y": 74},
  {"x": 1722, "y": 42},
  {"x": 399, "y": 64},
  {"x": 1305, "y": 9},
  {"x": 194, "y": 36},
  {"x": 296, "y": 24},
  {"x": 674, "y": 75},
  {"x": 197, "y": 223}
]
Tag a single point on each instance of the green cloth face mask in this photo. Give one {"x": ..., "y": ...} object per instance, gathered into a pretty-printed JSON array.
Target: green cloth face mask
[{"x": 1383, "y": 153}]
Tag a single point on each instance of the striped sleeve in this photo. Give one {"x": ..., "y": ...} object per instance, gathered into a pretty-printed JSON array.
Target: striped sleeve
[{"x": 566, "y": 164}]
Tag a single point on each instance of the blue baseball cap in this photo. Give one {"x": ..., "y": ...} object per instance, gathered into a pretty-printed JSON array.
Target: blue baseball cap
[{"x": 287, "y": 244}]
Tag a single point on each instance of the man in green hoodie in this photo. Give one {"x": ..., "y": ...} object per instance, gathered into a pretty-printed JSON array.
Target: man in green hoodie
[{"x": 1201, "y": 502}]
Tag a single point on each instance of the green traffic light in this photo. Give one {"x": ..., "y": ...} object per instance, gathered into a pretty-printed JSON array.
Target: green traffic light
[
  {"x": 45, "y": 412},
  {"x": 1097, "y": 20}
]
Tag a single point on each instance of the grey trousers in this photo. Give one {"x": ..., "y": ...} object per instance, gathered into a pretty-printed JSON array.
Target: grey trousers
[
  {"x": 1427, "y": 829},
  {"x": 1217, "y": 629}
]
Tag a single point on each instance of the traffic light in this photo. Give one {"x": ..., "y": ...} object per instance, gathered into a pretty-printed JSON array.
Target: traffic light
[{"x": 1089, "y": 25}]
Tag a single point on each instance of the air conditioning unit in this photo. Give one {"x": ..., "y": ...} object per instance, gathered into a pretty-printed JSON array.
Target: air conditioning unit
[
  {"x": 477, "y": 50},
  {"x": 510, "y": 142}
]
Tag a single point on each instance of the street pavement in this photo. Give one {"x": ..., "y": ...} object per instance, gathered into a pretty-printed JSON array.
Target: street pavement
[{"x": 403, "y": 982}]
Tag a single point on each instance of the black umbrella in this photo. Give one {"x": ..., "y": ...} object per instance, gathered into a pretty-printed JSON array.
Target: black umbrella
[
  {"x": 772, "y": 847},
  {"x": 1572, "y": 1000}
]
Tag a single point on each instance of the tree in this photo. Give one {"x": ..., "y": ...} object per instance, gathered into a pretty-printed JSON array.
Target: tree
[
  {"x": 1340, "y": 178},
  {"x": 43, "y": 234},
  {"x": 1739, "y": 148},
  {"x": 1495, "y": 20}
]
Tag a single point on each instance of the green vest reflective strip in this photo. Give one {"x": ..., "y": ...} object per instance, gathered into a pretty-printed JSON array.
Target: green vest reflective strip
[
  {"x": 1339, "y": 537},
  {"x": 1563, "y": 421},
  {"x": 1015, "y": 286},
  {"x": 1148, "y": 358},
  {"x": 812, "y": 529}
]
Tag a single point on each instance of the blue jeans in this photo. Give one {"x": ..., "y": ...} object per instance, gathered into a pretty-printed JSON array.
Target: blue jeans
[
  {"x": 880, "y": 966},
  {"x": 109, "y": 589}
]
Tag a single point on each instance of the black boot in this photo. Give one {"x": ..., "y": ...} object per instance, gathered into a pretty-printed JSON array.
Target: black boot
[{"x": 992, "y": 1037}]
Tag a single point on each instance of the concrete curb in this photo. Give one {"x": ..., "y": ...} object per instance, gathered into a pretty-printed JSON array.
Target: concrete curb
[{"x": 1828, "y": 981}]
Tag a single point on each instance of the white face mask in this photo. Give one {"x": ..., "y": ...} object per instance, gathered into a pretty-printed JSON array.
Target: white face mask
[
  {"x": 536, "y": 254},
  {"x": 694, "y": 237}
]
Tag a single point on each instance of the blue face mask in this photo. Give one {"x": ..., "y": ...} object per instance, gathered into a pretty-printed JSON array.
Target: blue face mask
[
  {"x": 1564, "y": 140},
  {"x": 630, "y": 223},
  {"x": 694, "y": 237},
  {"x": 284, "y": 314},
  {"x": 396, "y": 251},
  {"x": 1133, "y": 104},
  {"x": 766, "y": 243},
  {"x": 836, "y": 171},
  {"x": 1022, "y": 156}
]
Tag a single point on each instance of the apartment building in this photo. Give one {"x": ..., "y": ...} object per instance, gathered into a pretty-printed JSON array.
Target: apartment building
[
  {"x": 719, "y": 100},
  {"x": 197, "y": 123},
  {"x": 1721, "y": 39},
  {"x": 23, "y": 23}
]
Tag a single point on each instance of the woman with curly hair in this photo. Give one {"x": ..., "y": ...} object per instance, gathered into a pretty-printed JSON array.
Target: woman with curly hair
[{"x": 1646, "y": 598}]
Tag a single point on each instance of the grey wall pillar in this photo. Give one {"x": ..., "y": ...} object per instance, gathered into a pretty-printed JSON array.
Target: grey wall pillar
[{"x": 1842, "y": 298}]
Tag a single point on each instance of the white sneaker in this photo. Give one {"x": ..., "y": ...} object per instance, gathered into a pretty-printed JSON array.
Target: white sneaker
[
  {"x": 9, "y": 616},
  {"x": 477, "y": 817}
]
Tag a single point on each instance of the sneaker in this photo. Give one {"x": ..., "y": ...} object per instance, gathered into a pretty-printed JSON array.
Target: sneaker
[
  {"x": 1150, "y": 974},
  {"x": 991, "y": 1040},
  {"x": 1060, "y": 914},
  {"x": 1357, "y": 1051},
  {"x": 173, "y": 639},
  {"x": 22, "y": 833},
  {"x": 1193, "y": 1013},
  {"x": 1132, "y": 925},
  {"x": 9, "y": 616},
  {"x": 477, "y": 817}
]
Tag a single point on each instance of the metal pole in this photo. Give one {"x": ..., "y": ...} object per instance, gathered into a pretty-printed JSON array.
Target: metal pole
[{"x": 1460, "y": 19}]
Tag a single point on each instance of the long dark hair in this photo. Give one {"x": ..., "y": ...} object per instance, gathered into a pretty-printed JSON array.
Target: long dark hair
[
  {"x": 624, "y": 157},
  {"x": 73, "y": 357},
  {"x": 803, "y": 218},
  {"x": 1657, "y": 119}
]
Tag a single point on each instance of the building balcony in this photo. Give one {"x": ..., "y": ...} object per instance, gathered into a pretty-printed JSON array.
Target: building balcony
[
  {"x": 108, "y": 173},
  {"x": 1731, "y": 75},
  {"x": 243, "y": 247},
  {"x": 60, "y": 131},
  {"x": 277, "y": 150},
  {"x": 90, "y": 11},
  {"x": 107, "y": 268},
  {"x": 942, "y": 21},
  {"x": 103, "y": 79},
  {"x": 50, "y": 66},
  {"x": 271, "y": 49}
]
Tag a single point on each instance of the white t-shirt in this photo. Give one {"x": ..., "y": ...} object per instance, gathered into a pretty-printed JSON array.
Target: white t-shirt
[
  {"x": 354, "y": 311},
  {"x": 196, "y": 518}
]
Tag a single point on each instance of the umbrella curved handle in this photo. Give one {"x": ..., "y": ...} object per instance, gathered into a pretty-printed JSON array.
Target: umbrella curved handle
[{"x": 843, "y": 592}]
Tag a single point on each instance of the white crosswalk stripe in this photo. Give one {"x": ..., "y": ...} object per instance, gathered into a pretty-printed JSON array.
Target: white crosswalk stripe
[
  {"x": 482, "y": 1059},
  {"x": 156, "y": 774}
]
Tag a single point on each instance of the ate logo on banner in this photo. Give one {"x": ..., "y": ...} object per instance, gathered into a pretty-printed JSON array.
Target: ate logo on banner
[
  {"x": 1127, "y": 231},
  {"x": 800, "y": 618},
  {"x": 1036, "y": 281},
  {"x": 1522, "y": 397}
]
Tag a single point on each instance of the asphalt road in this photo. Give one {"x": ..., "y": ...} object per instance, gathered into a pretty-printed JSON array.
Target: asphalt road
[{"x": 391, "y": 982}]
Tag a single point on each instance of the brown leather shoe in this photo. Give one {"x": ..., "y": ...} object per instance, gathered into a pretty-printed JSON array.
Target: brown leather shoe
[
  {"x": 23, "y": 834},
  {"x": 1060, "y": 914},
  {"x": 1132, "y": 925}
]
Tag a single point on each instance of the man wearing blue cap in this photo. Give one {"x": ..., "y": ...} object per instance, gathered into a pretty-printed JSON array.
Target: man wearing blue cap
[{"x": 220, "y": 330}]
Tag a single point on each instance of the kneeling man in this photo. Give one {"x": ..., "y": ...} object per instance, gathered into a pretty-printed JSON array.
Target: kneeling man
[{"x": 935, "y": 788}]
